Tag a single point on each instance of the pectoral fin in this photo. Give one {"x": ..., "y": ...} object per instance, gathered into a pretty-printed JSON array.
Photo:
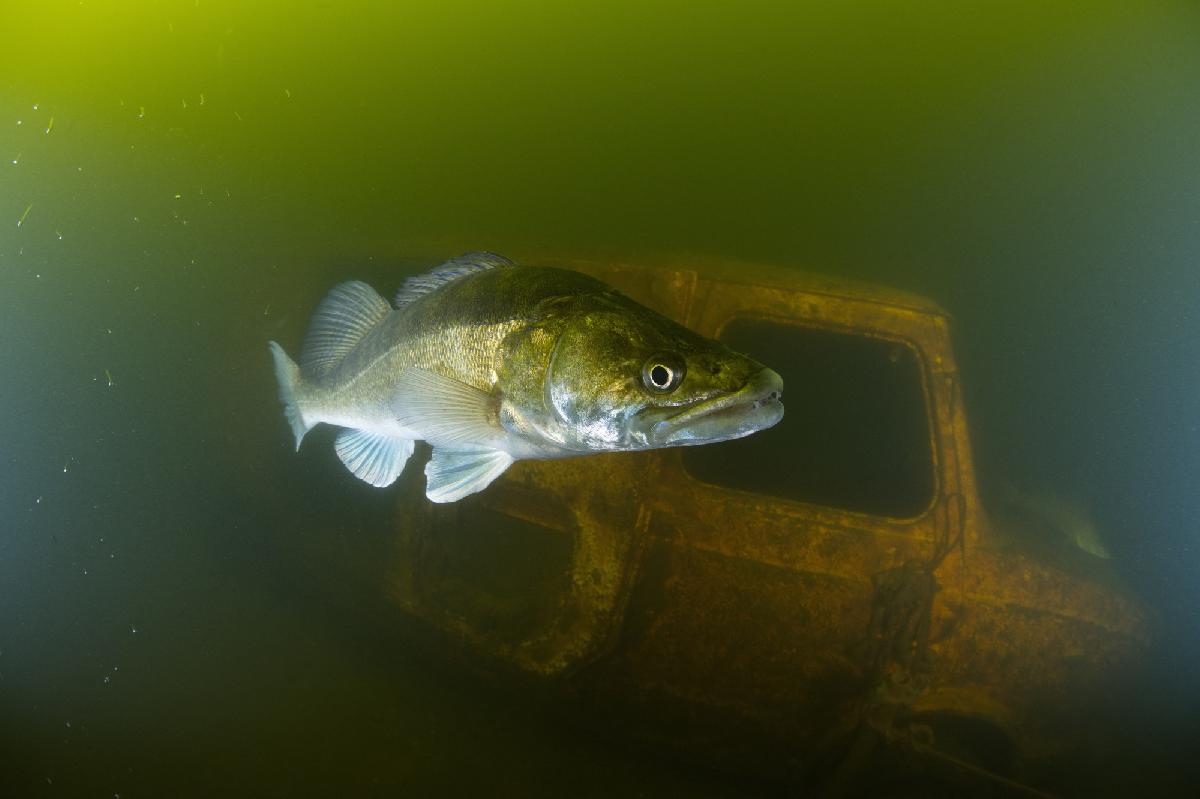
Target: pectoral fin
[
  {"x": 445, "y": 411},
  {"x": 376, "y": 459},
  {"x": 451, "y": 475}
]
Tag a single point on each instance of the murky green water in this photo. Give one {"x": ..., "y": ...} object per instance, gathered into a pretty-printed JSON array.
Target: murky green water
[{"x": 180, "y": 181}]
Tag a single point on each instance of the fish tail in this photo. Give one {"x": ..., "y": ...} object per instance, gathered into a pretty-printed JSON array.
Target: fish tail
[{"x": 288, "y": 375}]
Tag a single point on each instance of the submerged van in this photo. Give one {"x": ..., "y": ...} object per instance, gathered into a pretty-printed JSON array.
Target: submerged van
[{"x": 800, "y": 602}]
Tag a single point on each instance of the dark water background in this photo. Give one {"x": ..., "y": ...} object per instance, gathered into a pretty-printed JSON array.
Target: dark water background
[{"x": 189, "y": 177}]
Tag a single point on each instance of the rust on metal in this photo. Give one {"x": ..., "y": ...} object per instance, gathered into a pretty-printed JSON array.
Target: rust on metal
[{"x": 645, "y": 576}]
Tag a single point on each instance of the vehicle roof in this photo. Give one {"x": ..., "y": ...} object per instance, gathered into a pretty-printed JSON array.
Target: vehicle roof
[{"x": 788, "y": 278}]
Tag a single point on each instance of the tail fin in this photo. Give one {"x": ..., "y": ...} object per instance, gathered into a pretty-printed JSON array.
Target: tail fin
[{"x": 288, "y": 375}]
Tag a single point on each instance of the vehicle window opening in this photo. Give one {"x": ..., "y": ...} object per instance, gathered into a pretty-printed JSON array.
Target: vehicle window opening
[{"x": 855, "y": 432}]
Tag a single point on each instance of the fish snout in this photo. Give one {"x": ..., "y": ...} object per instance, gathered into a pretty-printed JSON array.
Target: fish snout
[{"x": 756, "y": 406}]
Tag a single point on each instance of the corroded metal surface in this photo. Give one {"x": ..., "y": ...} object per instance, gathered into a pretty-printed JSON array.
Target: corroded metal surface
[{"x": 807, "y": 621}]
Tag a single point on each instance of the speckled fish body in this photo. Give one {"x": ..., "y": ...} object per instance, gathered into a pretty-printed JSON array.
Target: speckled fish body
[{"x": 491, "y": 362}]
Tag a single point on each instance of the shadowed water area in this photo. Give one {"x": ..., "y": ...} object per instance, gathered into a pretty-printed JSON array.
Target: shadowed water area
[{"x": 182, "y": 606}]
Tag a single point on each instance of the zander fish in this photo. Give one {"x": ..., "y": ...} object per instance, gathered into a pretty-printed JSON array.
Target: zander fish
[
  {"x": 491, "y": 362},
  {"x": 1042, "y": 512}
]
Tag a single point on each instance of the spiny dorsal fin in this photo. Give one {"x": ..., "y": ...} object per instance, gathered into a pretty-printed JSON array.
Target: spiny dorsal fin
[
  {"x": 347, "y": 313},
  {"x": 465, "y": 264}
]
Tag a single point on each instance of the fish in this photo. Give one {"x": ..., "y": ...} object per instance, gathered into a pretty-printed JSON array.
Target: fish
[
  {"x": 491, "y": 362},
  {"x": 1044, "y": 512}
]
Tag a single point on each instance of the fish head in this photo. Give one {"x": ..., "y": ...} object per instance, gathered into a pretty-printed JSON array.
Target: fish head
[
  {"x": 1083, "y": 534},
  {"x": 622, "y": 377}
]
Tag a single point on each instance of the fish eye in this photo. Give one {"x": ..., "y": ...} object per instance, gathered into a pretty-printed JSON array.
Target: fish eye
[{"x": 663, "y": 373}]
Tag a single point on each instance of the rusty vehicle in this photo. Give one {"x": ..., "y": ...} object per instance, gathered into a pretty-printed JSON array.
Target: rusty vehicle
[{"x": 800, "y": 602}]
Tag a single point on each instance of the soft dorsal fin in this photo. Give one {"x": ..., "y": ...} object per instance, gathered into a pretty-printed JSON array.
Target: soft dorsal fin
[
  {"x": 465, "y": 264},
  {"x": 347, "y": 313}
]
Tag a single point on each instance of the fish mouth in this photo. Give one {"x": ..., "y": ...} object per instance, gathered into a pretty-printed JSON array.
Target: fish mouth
[{"x": 756, "y": 406}]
